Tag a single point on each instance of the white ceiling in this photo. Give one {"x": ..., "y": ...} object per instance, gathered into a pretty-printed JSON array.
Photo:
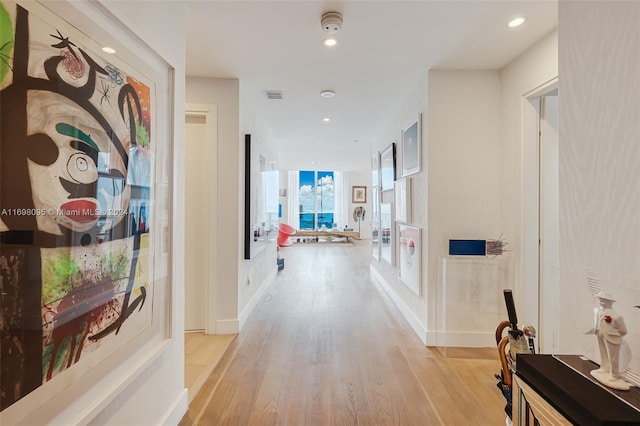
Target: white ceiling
[{"x": 384, "y": 49}]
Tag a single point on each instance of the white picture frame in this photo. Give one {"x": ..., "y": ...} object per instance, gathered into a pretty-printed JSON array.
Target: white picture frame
[
  {"x": 375, "y": 240},
  {"x": 388, "y": 167},
  {"x": 409, "y": 257},
  {"x": 402, "y": 195},
  {"x": 387, "y": 234},
  {"x": 375, "y": 169},
  {"x": 411, "y": 140},
  {"x": 146, "y": 331}
]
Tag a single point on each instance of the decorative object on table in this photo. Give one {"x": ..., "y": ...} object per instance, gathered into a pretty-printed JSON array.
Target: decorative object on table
[
  {"x": 388, "y": 167},
  {"x": 358, "y": 215},
  {"x": 402, "y": 194},
  {"x": 496, "y": 247},
  {"x": 358, "y": 194},
  {"x": 411, "y": 141},
  {"x": 610, "y": 330},
  {"x": 477, "y": 247},
  {"x": 409, "y": 261}
]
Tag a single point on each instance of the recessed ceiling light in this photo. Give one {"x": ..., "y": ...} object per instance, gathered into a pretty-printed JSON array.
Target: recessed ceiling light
[
  {"x": 326, "y": 119},
  {"x": 330, "y": 42},
  {"x": 516, "y": 22},
  {"x": 327, "y": 93},
  {"x": 315, "y": 162},
  {"x": 108, "y": 49}
]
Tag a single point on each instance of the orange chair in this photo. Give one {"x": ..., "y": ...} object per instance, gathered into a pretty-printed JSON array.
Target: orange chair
[{"x": 284, "y": 232}]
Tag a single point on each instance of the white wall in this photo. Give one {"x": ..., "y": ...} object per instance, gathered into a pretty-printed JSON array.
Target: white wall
[
  {"x": 413, "y": 307},
  {"x": 475, "y": 188},
  {"x": 124, "y": 388},
  {"x": 225, "y": 94},
  {"x": 361, "y": 178},
  {"x": 599, "y": 167},
  {"x": 255, "y": 275},
  {"x": 464, "y": 201},
  {"x": 519, "y": 170}
]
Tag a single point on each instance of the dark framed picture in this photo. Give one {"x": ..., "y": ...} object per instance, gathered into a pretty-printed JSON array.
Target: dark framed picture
[
  {"x": 411, "y": 141},
  {"x": 388, "y": 167},
  {"x": 359, "y": 194}
]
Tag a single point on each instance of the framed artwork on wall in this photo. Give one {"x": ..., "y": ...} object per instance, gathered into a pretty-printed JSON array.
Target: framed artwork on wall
[
  {"x": 358, "y": 194},
  {"x": 375, "y": 169},
  {"x": 402, "y": 195},
  {"x": 386, "y": 233},
  {"x": 375, "y": 239},
  {"x": 409, "y": 257},
  {"x": 411, "y": 146},
  {"x": 388, "y": 167},
  {"x": 84, "y": 245}
]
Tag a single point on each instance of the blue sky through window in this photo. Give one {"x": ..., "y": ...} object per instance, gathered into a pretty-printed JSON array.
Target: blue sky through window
[{"x": 316, "y": 195}]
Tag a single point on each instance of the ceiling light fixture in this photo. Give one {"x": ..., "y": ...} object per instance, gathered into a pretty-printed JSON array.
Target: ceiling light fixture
[
  {"x": 326, "y": 119},
  {"x": 327, "y": 93},
  {"x": 108, "y": 49},
  {"x": 330, "y": 42},
  {"x": 516, "y": 22}
]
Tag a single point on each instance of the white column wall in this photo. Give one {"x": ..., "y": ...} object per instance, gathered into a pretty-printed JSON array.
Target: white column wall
[
  {"x": 255, "y": 275},
  {"x": 464, "y": 201},
  {"x": 225, "y": 94},
  {"x": 599, "y": 167},
  {"x": 519, "y": 168}
]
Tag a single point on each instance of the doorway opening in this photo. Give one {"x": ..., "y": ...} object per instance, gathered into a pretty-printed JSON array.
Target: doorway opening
[{"x": 541, "y": 206}]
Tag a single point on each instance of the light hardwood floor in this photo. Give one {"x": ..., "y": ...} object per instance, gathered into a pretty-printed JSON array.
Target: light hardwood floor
[
  {"x": 202, "y": 352},
  {"x": 326, "y": 347}
]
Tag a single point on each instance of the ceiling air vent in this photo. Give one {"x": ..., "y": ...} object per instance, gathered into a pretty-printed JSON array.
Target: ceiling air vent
[{"x": 274, "y": 94}]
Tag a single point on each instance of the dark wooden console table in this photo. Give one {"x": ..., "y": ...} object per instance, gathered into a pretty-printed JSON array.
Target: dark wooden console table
[{"x": 559, "y": 390}]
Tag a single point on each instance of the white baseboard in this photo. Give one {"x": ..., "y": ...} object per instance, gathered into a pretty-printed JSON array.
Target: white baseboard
[
  {"x": 177, "y": 410},
  {"x": 415, "y": 324},
  {"x": 459, "y": 339},
  {"x": 230, "y": 326},
  {"x": 257, "y": 296},
  {"x": 435, "y": 338}
]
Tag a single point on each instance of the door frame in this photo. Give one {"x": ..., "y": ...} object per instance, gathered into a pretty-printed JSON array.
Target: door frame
[
  {"x": 210, "y": 114},
  {"x": 533, "y": 308}
]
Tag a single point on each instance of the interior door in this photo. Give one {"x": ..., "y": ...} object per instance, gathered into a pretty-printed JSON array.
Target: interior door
[
  {"x": 196, "y": 224},
  {"x": 549, "y": 261}
]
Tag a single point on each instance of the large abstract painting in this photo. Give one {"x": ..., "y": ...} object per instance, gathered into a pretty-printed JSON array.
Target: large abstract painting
[{"x": 76, "y": 200}]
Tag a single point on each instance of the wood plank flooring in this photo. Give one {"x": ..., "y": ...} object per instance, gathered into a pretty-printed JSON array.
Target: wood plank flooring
[
  {"x": 202, "y": 352},
  {"x": 326, "y": 347}
]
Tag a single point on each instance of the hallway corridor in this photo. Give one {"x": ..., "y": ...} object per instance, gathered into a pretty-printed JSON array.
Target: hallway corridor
[{"x": 326, "y": 347}]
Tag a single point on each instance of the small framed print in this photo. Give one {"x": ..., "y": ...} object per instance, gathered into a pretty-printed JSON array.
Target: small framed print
[
  {"x": 411, "y": 141},
  {"x": 410, "y": 259},
  {"x": 402, "y": 194},
  {"x": 388, "y": 167},
  {"x": 359, "y": 194}
]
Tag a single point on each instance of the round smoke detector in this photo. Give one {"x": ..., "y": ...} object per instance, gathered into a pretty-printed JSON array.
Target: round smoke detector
[{"x": 331, "y": 22}]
